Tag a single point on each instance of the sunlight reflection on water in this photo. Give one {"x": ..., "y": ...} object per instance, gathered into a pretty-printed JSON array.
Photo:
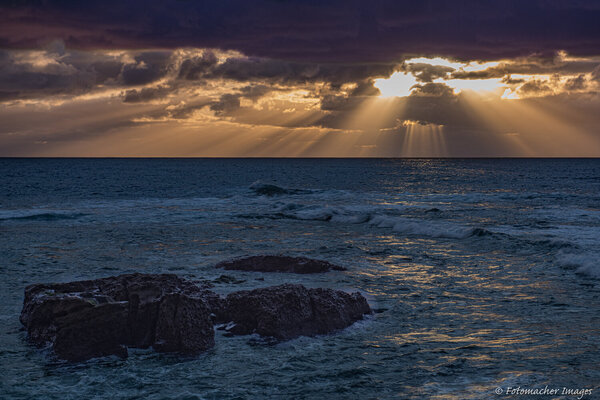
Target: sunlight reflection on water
[{"x": 455, "y": 316}]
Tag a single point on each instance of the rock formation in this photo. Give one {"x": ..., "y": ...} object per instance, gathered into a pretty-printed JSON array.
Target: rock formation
[
  {"x": 87, "y": 319},
  {"x": 288, "y": 311}
]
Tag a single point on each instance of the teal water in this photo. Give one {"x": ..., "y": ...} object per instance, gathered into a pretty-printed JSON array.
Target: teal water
[{"x": 483, "y": 273}]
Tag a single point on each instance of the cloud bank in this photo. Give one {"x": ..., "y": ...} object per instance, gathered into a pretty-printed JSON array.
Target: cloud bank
[{"x": 384, "y": 78}]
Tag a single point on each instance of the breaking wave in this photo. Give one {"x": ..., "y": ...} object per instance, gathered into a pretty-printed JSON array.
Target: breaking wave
[
  {"x": 585, "y": 263},
  {"x": 376, "y": 216},
  {"x": 435, "y": 229}
]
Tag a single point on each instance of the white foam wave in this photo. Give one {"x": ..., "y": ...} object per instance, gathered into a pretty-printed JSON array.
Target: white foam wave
[
  {"x": 436, "y": 229},
  {"x": 333, "y": 214},
  {"x": 586, "y": 263},
  {"x": 379, "y": 217}
]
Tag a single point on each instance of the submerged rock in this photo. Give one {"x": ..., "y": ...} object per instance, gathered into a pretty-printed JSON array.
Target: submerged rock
[
  {"x": 266, "y": 189},
  {"x": 268, "y": 263},
  {"x": 87, "y": 319},
  {"x": 288, "y": 311}
]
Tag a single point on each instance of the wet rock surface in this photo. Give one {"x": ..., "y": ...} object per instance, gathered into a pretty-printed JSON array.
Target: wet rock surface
[
  {"x": 288, "y": 311},
  {"x": 87, "y": 319},
  {"x": 95, "y": 318},
  {"x": 270, "y": 263}
]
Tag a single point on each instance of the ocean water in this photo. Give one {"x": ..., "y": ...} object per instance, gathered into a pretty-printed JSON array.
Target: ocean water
[{"x": 484, "y": 274}]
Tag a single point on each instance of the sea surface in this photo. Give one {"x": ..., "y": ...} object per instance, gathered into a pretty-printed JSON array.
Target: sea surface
[{"x": 484, "y": 273}]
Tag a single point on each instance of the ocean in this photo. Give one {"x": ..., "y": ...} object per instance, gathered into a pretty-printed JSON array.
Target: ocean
[{"x": 484, "y": 274}]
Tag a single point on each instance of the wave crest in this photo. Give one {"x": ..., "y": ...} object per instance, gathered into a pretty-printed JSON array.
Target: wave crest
[{"x": 585, "y": 263}]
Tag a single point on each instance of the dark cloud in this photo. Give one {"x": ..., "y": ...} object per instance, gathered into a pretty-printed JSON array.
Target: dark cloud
[
  {"x": 535, "y": 87},
  {"x": 197, "y": 66},
  {"x": 145, "y": 94},
  {"x": 231, "y": 102},
  {"x": 550, "y": 64},
  {"x": 432, "y": 90},
  {"x": 494, "y": 72},
  {"x": 578, "y": 83},
  {"x": 427, "y": 72},
  {"x": 227, "y": 103},
  {"x": 172, "y": 59},
  {"x": 105, "y": 70},
  {"x": 148, "y": 67},
  {"x": 510, "y": 81},
  {"x": 279, "y": 71},
  {"x": 596, "y": 74},
  {"x": 333, "y": 102},
  {"x": 29, "y": 74},
  {"x": 310, "y": 30},
  {"x": 254, "y": 92},
  {"x": 23, "y": 77},
  {"x": 246, "y": 68},
  {"x": 6, "y": 95},
  {"x": 53, "y": 71},
  {"x": 447, "y": 110},
  {"x": 365, "y": 88}
]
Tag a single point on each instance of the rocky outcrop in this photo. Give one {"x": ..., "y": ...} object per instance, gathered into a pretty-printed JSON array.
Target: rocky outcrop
[
  {"x": 268, "y": 263},
  {"x": 266, "y": 189},
  {"x": 288, "y": 311},
  {"x": 87, "y": 319}
]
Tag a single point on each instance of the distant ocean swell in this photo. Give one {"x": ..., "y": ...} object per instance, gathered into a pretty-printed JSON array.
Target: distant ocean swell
[
  {"x": 412, "y": 217},
  {"x": 569, "y": 252}
]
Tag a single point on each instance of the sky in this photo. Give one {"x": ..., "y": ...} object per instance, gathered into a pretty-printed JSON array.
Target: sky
[{"x": 291, "y": 78}]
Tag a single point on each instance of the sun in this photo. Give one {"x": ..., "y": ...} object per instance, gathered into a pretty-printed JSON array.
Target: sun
[{"x": 399, "y": 84}]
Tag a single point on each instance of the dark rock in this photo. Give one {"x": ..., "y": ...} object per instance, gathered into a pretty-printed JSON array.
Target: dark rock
[
  {"x": 204, "y": 283},
  {"x": 86, "y": 319},
  {"x": 296, "y": 265},
  {"x": 93, "y": 332},
  {"x": 288, "y": 311},
  {"x": 481, "y": 232},
  {"x": 182, "y": 325},
  {"x": 99, "y": 317},
  {"x": 266, "y": 189}
]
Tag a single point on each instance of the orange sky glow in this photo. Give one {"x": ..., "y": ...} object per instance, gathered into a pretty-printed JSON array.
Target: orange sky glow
[{"x": 239, "y": 106}]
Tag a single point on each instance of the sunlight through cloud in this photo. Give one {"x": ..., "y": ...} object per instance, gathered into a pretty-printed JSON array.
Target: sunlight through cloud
[{"x": 400, "y": 84}]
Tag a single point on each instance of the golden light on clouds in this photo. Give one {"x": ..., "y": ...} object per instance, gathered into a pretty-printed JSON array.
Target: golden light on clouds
[
  {"x": 482, "y": 86},
  {"x": 202, "y": 102},
  {"x": 401, "y": 84},
  {"x": 505, "y": 85}
]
